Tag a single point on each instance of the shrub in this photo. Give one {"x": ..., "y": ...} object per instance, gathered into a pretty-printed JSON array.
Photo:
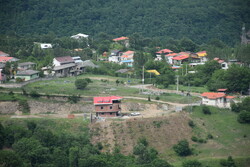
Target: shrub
[
  {"x": 88, "y": 80},
  {"x": 24, "y": 106},
  {"x": 18, "y": 80},
  {"x": 191, "y": 123},
  {"x": 235, "y": 107},
  {"x": 194, "y": 139},
  {"x": 73, "y": 99},
  {"x": 191, "y": 163},
  {"x": 34, "y": 94},
  {"x": 244, "y": 117},
  {"x": 206, "y": 110},
  {"x": 210, "y": 136},
  {"x": 228, "y": 163},
  {"x": 81, "y": 83},
  {"x": 182, "y": 148},
  {"x": 157, "y": 98}
]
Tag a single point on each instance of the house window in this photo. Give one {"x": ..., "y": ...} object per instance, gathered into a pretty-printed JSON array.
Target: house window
[
  {"x": 110, "y": 107},
  {"x": 111, "y": 113},
  {"x": 102, "y": 113},
  {"x": 101, "y": 107}
]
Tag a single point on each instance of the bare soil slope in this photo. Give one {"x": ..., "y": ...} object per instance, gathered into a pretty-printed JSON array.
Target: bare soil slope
[{"x": 161, "y": 132}]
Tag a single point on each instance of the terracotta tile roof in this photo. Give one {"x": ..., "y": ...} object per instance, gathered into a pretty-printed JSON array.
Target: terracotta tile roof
[
  {"x": 181, "y": 57},
  {"x": 128, "y": 52},
  {"x": 221, "y": 90},
  {"x": 172, "y": 54},
  {"x": 3, "y": 54},
  {"x": 213, "y": 95},
  {"x": 164, "y": 51},
  {"x": 120, "y": 38},
  {"x": 65, "y": 59},
  {"x": 105, "y": 100},
  {"x": 230, "y": 97},
  {"x": 5, "y": 59}
]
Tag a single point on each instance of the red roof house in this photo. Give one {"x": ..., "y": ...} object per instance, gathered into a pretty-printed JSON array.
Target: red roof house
[
  {"x": 120, "y": 39},
  {"x": 217, "y": 99},
  {"x": 107, "y": 106}
]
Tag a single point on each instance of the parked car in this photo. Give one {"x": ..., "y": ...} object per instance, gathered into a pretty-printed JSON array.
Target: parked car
[{"x": 135, "y": 114}]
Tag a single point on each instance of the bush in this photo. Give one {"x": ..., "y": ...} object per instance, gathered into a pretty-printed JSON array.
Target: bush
[
  {"x": 191, "y": 163},
  {"x": 81, "y": 83},
  {"x": 206, "y": 110},
  {"x": 235, "y": 107},
  {"x": 88, "y": 80},
  {"x": 191, "y": 123},
  {"x": 194, "y": 139},
  {"x": 24, "y": 106},
  {"x": 210, "y": 136},
  {"x": 34, "y": 94},
  {"x": 244, "y": 117},
  {"x": 182, "y": 148},
  {"x": 73, "y": 99},
  {"x": 228, "y": 163},
  {"x": 18, "y": 80},
  {"x": 157, "y": 98}
]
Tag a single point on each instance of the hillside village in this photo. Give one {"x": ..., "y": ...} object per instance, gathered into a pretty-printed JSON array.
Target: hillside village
[{"x": 154, "y": 83}]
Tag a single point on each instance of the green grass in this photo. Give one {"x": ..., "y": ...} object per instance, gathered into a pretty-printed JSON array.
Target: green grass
[
  {"x": 172, "y": 97},
  {"x": 197, "y": 89},
  {"x": 229, "y": 136},
  {"x": 67, "y": 86}
]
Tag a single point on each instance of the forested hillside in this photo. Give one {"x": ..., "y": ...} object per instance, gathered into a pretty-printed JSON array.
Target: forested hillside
[{"x": 198, "y": 20}]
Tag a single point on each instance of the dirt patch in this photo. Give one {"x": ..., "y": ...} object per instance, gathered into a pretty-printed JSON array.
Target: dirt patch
[{"x": 161, "y": 132}]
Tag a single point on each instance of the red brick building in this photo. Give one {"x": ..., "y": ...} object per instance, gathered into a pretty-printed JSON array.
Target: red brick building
[{"x": 107, "y": 106}]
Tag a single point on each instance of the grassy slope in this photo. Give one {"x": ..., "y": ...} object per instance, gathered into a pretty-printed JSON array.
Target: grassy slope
[
  {"x": 66, "y": 86},
  {"x": 230, "y": 137}
]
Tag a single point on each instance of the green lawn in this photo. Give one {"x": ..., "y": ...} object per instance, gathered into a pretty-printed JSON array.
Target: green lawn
[
  {"x": 230, "y": 138},
  {"x": 197, "y": 89}
]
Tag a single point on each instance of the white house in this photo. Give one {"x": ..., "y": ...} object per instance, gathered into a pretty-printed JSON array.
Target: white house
[
  {"x": 45, "y": 46},
  {"x": 217, "y": 99},
  {"x": 77, "y": 59},
  {"x": 161, "y": 53},
  {"x": 79, "y": 36},
  {"x": 115, "y": 56}
]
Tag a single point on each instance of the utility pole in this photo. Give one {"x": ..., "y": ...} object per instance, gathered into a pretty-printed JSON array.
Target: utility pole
[
  {"x": 142, "y": 78},
  {"x": 177, "y": 83}
]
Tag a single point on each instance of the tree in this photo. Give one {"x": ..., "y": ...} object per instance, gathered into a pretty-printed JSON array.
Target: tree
[
  {"x": 187, "y": 45},
  {"x": 9, "y": 158},
  {"x": 81, "y": 83},
  {"x": 2, "y": 136},
  {"x": 244, "y": 117},
  {"x": 182, "y": 148},
  {"x": 31, "y": 150},
  {"x": 237, "y": 78},
  {"x": 228, "y": 163},
  {"x": 145, "y": 154}
]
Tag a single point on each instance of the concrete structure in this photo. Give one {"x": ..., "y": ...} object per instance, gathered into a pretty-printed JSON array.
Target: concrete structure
[
  {"x": 79, "y": 36},
  {"x": 107, "y": 106},
  {"x": 26, "y": 66},
  {"x": 58, "y": 61},
  {"x": 27, "y": 75},
  {"x": 115, "y": 56},
  {"x": 217, "y": 99}
]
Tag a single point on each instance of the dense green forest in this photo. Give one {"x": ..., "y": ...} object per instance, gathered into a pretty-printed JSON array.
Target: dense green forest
[{"x": 198, "y": 20}]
